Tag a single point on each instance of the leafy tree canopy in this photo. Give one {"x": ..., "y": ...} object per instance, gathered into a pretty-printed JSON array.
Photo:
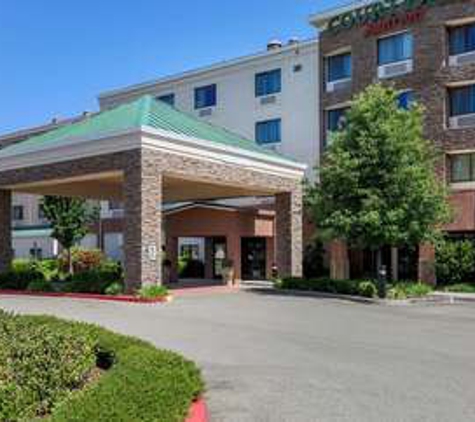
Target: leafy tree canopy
[{"x": 378, "y": 183}]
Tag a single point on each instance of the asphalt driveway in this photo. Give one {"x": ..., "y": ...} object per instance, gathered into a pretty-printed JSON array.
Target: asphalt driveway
[{"x": 281, "y": 358}]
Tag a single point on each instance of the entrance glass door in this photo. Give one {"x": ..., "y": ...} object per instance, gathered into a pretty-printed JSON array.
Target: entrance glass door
[
  {"x": 219, "y": 256},
  {"x": 253, "y": 258}
]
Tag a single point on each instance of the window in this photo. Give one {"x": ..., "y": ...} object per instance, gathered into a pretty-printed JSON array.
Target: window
[
  {"x": 41, "y": 212},
  {"x": 205, "y": 96},
  {"x": 406, "y": 100},
  {"x": 269, "y": 132},
  {"x": 395, "y": 48},
  {"x": 268, "y": 83},
  {"x": 115, "y": 206},
  {"x": 336, "y": 119},
  {"x": 167, "y": 99},
  {"x": 462, "y": 168},
  {"x": 36, "y": 253},
  {"x": 462, "y": 39},
  {"x": 339, "y": 67},
  {"x": 18, "y": 212},
  {"x": 462, "y": 100}
]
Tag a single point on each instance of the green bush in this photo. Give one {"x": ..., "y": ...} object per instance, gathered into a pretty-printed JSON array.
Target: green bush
[
  {"x": 455, "y": 261},
  {"x": 40, "y": 285},
  {"x": 367, "y": 289},
  {"x": 138, "y": 382},
  {"x": 153, "y": 291},
  {"x": 21, "y": 274},
  {"x": 460, "y": 288},
  {"x": 93, "y": 281},
  {"x": 114, "y": 289},
  {"x": 40, "y": 365},
  {"x": 325, "y": 285},
  {"x": 407, "y": 290}
]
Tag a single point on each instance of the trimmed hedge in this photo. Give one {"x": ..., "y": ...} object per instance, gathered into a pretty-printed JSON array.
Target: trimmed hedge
[
  {"x": 366, "y": 288},
  {"x": 138, "y": 382}
]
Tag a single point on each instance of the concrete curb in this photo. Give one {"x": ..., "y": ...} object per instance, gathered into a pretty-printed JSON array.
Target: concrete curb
[
  {"x": 455, "y": 297},
  {"x": 198, "y": 412},
  {"x": 87, "y": 296},
  {"x": 433, "y": 299}
]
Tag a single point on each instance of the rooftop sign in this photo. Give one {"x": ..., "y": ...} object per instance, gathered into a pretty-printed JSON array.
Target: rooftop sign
[{"x": 376, "y": 12}]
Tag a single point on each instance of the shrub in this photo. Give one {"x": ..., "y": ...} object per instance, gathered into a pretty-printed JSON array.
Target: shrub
[
  {"x": 461, "y": 288},
  {"x": 83, "y": 260},
  {"x": 114, "y": 289},
  {"x": 40, "y": 365},
  {"x": 93, "y": 281},
  {"x": 367, "y": 289},
  {"x": 455, "y": 261},
  {"x": 21, "y": 274},
  {"x": 406, "y": 290},
  {"x": 325, "y": 285},
  {"x": 153, "y": 291},
  {"x": 141, "y": 383},
  {"x": 40, "y": 285}
]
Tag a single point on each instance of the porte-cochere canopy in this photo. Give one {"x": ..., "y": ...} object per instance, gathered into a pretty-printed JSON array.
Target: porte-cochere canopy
[{"x": 145, "y": 153}]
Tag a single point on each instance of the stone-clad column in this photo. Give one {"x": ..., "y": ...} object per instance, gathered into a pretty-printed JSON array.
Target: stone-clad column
[
  {"x": 288, "y": 231},
  {"x": 6, "y": 250},
  {"x": 143, "y": 221}
]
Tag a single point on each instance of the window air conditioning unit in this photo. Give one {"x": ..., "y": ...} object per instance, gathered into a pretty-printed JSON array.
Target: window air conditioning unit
[
  {"x": 462, "y": 59},
  {"x": 338, "y": 85},
  {"x": 462, "y": 122},
  {"x": 269, "y": 99},
  {"x": 206, "y": 112},
  {"x": 395, "y": 69}
]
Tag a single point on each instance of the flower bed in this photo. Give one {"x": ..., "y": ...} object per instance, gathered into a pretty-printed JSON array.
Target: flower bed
[{"x": 62, "y": 371}]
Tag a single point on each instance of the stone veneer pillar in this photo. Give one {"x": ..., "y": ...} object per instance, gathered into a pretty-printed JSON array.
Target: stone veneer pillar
[
  {"x": 6, "y": 251},
  {"x": 289, "y": 240},
  {"x": 143, "y": 223},
  {"x": 426, "y": 265}
]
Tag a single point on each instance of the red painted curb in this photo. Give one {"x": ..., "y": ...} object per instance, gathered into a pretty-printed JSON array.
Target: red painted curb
[
  {"x": 198, "y": 412},
  {"x": 130, "y": 299}
]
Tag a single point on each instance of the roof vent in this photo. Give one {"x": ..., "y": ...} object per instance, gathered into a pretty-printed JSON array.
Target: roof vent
[
  {"x": 274, "y": 45},
  {"x": 294, "y": 40}
]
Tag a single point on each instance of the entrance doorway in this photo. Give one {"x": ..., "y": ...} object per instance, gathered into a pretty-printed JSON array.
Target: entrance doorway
[
  {"x": 219, "y": 256},
  {"x": 254, "y": 262}
]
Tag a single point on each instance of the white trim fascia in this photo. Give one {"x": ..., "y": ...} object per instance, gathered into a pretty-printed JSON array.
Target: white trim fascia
[
  {"x": 203, "y": 72},
  {"x": 146, "y": 137},
  {"x": 193, "y": 206},
  {"x": 460, "y": 186}
]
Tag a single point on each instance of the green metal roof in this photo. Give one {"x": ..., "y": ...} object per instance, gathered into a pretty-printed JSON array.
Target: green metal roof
[{"x": 145, "y": 111}]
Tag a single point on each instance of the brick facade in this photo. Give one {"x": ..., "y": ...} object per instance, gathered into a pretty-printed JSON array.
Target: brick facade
[{"x": 429, "y": 80}]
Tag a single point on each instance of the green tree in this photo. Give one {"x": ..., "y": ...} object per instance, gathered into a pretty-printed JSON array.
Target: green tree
[
  {"x": 69, "y": 218},
  {"x": 378, "y": 184}
]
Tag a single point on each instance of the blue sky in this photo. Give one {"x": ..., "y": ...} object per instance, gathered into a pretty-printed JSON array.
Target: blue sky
[{"x": 57, "y": 55}]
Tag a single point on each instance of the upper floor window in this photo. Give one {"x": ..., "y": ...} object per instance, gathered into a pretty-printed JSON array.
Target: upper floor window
[
  {"x": 205, "y": 96},
  {"x": 462, "y": 100},
  {"x": 462, "y": 39},
  {"x": 167, "y": 99},
  {"x": 336, "y": 119},
  {"x": 41, "y": 212},
  {"x": 18, "y": 213},
  {"x": 269, "y": 132},
  {"x": 462, "y": 168},
  {"x": 395, "y": 48},
  {"x": 406, "y": 99},
  {"x": 268, "y": 83},
  {"x": 339, "y": 67}
]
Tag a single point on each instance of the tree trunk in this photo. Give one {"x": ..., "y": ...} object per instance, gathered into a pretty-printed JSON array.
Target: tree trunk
[
  {"x": 70, "y": 262},
  {"x": 394, "y": 264}
]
